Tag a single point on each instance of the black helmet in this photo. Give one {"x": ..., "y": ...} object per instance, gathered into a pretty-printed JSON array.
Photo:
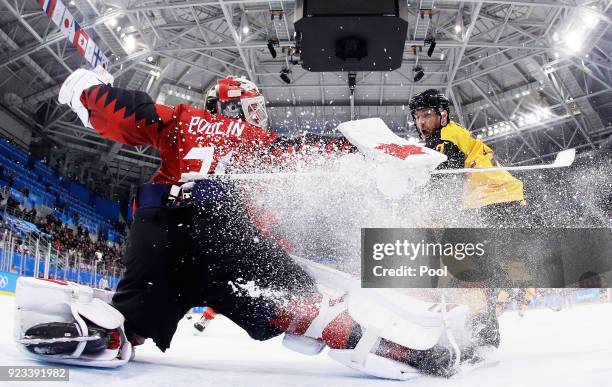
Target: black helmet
[{"x": 431, "y": 98}]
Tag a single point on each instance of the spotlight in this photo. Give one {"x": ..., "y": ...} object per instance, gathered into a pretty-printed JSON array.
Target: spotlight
[
  {"x": 459, "y": 22},
  {"x": 573, "y": 40},
  {"x": 432, "y": 46},
  {"x": 271, "y": 43},
  {"x": 352, "y": 82},
  {"x": 419, "y": 73},
  {"x": 244, "y": 24},
  {"x": 284, "y": 75},
  {"x": 129, "y": 43}
]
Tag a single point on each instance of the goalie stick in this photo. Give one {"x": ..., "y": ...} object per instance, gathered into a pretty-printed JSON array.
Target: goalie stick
[
  {"x": 375, "y": 140},
  {"x": 563, "y": 159}
]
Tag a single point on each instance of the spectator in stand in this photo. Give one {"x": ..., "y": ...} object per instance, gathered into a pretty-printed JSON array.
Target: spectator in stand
[
  {"x": 30, "y": 216},
  {"x": 78, "y": 243}
]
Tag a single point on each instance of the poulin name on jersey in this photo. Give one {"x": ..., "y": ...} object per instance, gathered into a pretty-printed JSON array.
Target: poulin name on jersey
[{"x": 221, "y": 128}]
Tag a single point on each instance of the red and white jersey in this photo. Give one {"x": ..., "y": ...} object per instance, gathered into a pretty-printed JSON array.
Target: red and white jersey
[{"x": 132, "y": 118}]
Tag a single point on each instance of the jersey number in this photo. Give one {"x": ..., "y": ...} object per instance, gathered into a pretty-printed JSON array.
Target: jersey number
[{"x": 205, "y": 154}]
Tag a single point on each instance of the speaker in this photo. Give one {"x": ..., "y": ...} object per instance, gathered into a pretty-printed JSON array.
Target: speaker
[{"x": 351, "y": 35}]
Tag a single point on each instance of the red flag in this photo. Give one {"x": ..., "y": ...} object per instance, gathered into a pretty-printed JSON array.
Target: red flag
[{"x": 81, "y": 41}]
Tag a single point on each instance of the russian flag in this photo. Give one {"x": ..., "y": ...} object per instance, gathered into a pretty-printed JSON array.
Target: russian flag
[{"x": 48, "y": 6}]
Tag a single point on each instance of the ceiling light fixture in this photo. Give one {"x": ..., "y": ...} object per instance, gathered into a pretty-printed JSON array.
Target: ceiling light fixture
[
  {"x": 244, "y": 24},
  {"x": 271, "y": 44},
  {"x": 432, "y": 46},
  {"x": 284, "y": 75},
  {"x": 419, "y": 73}
]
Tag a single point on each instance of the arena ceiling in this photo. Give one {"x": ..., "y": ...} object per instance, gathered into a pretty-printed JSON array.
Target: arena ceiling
[{"x": 530, "y": 77}]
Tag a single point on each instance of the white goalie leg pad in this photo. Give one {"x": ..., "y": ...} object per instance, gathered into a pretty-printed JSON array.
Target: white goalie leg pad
[
  {"x": 400, "y": 319},
  {"x": 423, "y": 318},
  {"x": 405, "y": 320},
  {"x": 392, "y": 316},
  {"x": 39, "y": 301}
]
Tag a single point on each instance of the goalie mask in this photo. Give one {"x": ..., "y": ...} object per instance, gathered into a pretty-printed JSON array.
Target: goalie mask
[{"x": 238, "y": 98}]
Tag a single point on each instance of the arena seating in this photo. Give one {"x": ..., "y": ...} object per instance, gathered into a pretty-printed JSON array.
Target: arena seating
[{"x": 33, "y": 184}]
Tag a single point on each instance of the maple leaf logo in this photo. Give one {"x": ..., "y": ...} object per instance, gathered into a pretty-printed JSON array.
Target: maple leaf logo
[{"x": 400, "y": 151}]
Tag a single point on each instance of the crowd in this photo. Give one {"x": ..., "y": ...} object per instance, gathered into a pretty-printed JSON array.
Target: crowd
[
  {"x": 78, "y": 243},
  {"x": 75, "y": 241}
]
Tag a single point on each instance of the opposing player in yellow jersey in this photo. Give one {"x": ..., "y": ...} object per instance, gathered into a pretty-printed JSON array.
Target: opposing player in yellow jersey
[{"x": 498, "y": 195}]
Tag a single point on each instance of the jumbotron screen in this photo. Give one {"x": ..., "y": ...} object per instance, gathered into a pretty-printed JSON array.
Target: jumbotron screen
[{"x": 349, "y": 7}]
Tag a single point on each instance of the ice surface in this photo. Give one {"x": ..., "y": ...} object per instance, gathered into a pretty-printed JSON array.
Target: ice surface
[{"x": 572, "y": 347}]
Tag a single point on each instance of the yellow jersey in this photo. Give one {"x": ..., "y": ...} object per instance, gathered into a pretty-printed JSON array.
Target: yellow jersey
[{"x": 465, "y": 151}]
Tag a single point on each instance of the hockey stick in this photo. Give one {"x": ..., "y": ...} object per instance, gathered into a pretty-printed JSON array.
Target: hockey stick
[
  {"x": 563, "y": 159},
  {"x": 274, "y": 175}
]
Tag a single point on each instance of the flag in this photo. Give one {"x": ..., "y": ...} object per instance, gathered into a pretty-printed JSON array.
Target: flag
[
  {"x": 58, "y": 13},
  {"x": 48, "y": 6},
  {"x": 74, "y": 32},
  {"x": 104, "y": 61},
  {"x": 67, "y": 22},
  {"x": 90, "y": 51},
  {"x": 96, "y": 56},
  {"x": 62, "y": 17},
  {"x": 81, "y": 41}
]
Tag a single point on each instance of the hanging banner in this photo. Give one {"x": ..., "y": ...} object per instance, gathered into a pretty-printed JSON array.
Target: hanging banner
[
  {"x": 58, "y": 13},
  {"x": 62, "y": 18}
]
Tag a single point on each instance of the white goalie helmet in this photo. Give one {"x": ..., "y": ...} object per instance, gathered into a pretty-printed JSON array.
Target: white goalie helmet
[{"x": 237, "y": 97}]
